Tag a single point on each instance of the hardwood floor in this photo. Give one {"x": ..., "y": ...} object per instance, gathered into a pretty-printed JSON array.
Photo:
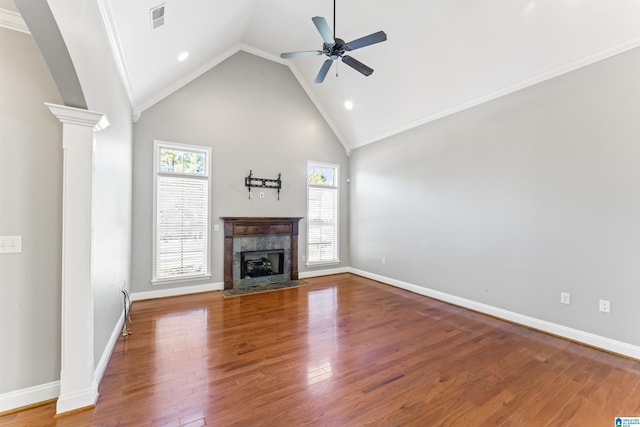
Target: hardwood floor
[{"x": 345, "y": 351}]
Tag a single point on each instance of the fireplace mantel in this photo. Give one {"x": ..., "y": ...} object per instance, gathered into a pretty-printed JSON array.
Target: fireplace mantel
[{"x": 258, "y": 226}]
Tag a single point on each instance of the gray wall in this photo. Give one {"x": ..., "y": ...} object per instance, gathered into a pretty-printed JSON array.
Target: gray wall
[
  {"x": 516, "y": 200},
  {"x": 255, "y": 116},
  {"x": 30, "y": 206}
]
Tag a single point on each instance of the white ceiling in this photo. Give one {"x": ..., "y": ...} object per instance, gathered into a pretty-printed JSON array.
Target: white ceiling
[{"x": 441, "y": 56}]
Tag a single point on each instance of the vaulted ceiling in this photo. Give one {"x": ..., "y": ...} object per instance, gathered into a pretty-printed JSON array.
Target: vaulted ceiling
[{"x": 441, "y": 56}]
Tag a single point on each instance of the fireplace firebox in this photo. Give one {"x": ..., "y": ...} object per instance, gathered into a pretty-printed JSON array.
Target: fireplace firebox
[{"x": 261, "y": 263}]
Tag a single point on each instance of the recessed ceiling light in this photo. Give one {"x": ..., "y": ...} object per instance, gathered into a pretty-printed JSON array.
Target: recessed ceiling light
[
  {"x": 348, "y": 104},
  {"x": 184, "y": 55}
]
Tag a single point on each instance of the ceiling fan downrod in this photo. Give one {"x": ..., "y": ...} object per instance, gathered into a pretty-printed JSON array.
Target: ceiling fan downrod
[{"x": 334, "y": 19}]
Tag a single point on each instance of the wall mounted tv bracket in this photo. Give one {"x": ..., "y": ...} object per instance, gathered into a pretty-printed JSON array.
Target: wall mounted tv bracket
[{"x": 251, "y": 182}]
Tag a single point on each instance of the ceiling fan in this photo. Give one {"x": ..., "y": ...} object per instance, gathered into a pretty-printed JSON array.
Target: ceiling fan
[{"x": 335, "y": 48}]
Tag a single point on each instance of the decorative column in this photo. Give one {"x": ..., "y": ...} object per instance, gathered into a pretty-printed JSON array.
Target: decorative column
[{"x": 77, "y": 386}]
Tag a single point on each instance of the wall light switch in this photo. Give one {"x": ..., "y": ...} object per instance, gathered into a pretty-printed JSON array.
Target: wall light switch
[
  {"x": 216, "y": 227},
  {"x": 10, "y": 244},
  {"x": 262, "y": 194}
]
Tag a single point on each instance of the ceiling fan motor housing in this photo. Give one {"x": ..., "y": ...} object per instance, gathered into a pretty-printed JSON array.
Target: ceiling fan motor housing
[{"x": 335, "y": 50}]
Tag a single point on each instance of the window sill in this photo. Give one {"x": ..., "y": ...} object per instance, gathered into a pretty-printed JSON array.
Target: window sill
[
  {"x": 322, "y": 263},
  {"x": 180, "y": 279}
]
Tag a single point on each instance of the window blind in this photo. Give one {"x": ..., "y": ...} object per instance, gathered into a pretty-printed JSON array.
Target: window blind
[
  {"x": 182, "y": 226},
  {"x": 322, "y": 238}
]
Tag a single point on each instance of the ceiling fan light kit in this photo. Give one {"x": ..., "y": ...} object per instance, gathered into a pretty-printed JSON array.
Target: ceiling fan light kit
[{"x": 335, "y": 48}]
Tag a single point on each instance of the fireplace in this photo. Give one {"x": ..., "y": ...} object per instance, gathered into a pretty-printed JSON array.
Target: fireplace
[{"x": 260, "y": 250}]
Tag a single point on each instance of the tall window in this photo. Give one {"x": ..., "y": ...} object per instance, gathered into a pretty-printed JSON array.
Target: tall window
[
  {"x": 181, "y": 211},
  {"x": 322, "y": 213}
]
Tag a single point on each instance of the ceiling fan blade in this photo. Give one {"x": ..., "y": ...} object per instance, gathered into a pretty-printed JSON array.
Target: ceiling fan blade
[
  {"x": 303, "y": 53},
  {"x": 324, "y": 30},
  {"x": 374, "y": 38},
  {"x": 357, "y": 65},
  {"x": 323, "y": 71}
]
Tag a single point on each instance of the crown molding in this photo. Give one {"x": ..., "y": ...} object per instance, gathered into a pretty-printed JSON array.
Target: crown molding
[
  {"x": 140, "y": 107},
  {"x": 13, "y": 21},
  {"x": 116, "y": 49},
  {"x": 539, "y": 78}
]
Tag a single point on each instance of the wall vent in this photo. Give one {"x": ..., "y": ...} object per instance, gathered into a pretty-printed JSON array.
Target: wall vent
[{"x": 157, "y": 16}]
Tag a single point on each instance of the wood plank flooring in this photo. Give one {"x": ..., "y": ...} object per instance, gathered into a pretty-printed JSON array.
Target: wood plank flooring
[{"x": 345, "y": 351}]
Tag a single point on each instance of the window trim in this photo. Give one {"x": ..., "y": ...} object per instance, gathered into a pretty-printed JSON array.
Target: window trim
[
  {"x": 157, "y": 145},
  {"x": 336, "y": 186}
]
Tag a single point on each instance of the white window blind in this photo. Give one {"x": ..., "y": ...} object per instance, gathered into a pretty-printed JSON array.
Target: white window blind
[
  {"x": 322, "y": 215},
  {"x": 182, "y": 212}
]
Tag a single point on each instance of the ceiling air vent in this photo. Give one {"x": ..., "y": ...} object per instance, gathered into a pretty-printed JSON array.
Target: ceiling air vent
[{"x": 157, "y": 16}]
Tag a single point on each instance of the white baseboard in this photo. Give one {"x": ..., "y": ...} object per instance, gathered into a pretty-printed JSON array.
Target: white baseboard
[
  {"x": 29, "y": 396},
  {"x": 324, "y": 272},
  {"x": 173, "y": 292},
  {"x": 583, "y": 337},
  {"x": 76, "y": 400},
  {"x": 101, "y": 368}
]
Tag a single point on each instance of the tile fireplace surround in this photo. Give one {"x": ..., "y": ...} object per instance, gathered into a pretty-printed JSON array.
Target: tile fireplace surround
[{"x": 242, "y": 233}]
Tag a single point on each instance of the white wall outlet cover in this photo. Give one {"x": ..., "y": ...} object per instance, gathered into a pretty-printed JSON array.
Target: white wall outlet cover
[
  {"x": 10, "y": 244},
  {"x": 565, "y": 298}
]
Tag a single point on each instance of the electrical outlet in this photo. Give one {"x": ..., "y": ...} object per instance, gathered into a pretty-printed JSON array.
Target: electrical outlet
[
  {"x": 605, "y": 306},
  {"x": 384, "y": 260},
  {"x": 565, "y": 298},
  {"x": 10, "y": 244}
]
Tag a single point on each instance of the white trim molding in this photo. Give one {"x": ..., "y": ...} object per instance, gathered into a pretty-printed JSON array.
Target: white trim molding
[
  {"x": 539, "y": 78},
  {"x": 84, "y": 398},
  {"x": 323, "y": 272},
  {"x": 116, "y": 50},
  {"x": 79, "y": 116},
  {"x": 174, "y": 292},
  {"x": 29, "y": 396},
  {"x": 13, "y": 21},
  {"x": 101, "y": 367},
  {"x": 141, "y": 105},
  {"x": 582, "y": 337}
]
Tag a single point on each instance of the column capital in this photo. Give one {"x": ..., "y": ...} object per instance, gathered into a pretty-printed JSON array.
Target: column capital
[{"x": 79, "y": 116}]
